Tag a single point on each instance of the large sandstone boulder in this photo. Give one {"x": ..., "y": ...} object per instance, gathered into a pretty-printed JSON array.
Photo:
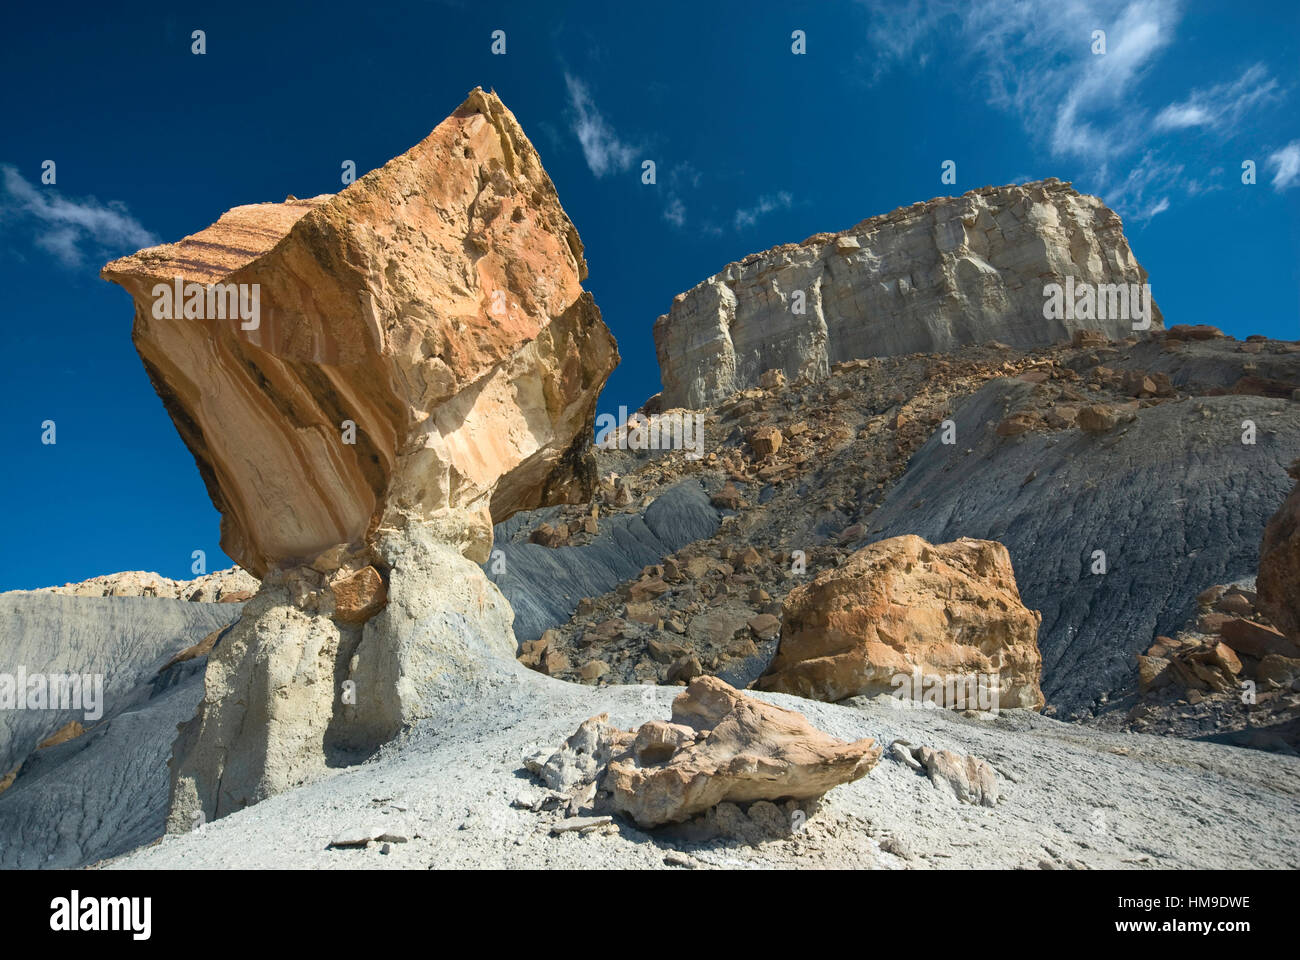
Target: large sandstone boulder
[
  {"x": 417, "y": 359},
  {"x": 721, "y": 746},
  {"x": 422, "y": 348},
  {"x": 924, "y": 278},
  {"x": 901, "y": 611},
  {"x": 1278, "y": 583}
]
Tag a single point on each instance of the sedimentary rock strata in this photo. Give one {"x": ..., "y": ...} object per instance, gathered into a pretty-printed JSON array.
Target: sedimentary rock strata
[
  {"x": 223, "y": 586},
  {"x": 367, "y": 381},
  {"x": 929, "y": 277},
  {"x": 903, "y": 610},
  {"x": 1279, "y": 564},
  {"x": 417, "y": 345}
]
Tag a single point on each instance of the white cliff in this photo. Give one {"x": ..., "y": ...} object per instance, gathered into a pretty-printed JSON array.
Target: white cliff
[{"x": 929, "y": 277}]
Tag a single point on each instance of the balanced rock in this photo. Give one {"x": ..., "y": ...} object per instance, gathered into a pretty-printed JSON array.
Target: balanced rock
[
  {"x": 901, "y": 611},
  {"x": 925, "y": 278},
  {"x": 418, "y": 360},
  {"x": 417, "y": 345}
]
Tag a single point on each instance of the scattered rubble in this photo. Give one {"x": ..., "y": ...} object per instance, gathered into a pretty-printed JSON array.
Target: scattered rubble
[{"x": 720, "y": 746}]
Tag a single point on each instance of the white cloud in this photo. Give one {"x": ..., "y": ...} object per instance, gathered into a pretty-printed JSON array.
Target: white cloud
[
  {"x": 603, "y": 150},
  {"x": 1160, "y": 206},
  {"x": 675, "y": 212},
  {"x": 1034, "y": 58},
  {"x": 765, "y": 205},
  {"x": 1286, "y": 166},
  {"x": 68, "y": 228},
  {"x": 1220, "y": 107},
  {"x": 1145, "y": 191}
]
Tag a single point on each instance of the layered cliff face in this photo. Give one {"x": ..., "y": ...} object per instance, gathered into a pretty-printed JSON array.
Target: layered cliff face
[
  {"x": 417, "y": 346},
  {"x": 926, "y": 278}
]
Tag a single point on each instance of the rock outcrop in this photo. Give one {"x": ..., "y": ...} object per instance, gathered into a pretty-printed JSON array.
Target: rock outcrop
[
  {"x": 929, "y": 277},
  {"x": 965, "y": 778},
  {"x": 720, "y": 745},
  {"x": 902, "y": 611},
  {"x": 417, "y": 345},
  {"x": 223, "y": 586},
  {"x": 410, "y": 360},
  {"x": 1162, "y": 498},
  {"x": 292, "y": 690},
  {"x": 1279, "y": 564}
]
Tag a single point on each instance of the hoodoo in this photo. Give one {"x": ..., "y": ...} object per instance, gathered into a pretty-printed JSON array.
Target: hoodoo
[
  {"x": 424, "y": 363},
  {"x": 436, "y": 304}
]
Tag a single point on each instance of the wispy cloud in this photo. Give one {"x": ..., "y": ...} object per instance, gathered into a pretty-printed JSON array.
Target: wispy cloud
[
  {"x": 1221, "y": 107},
  {"x": 1143, "y": 193},
  {"x": 1034, "y": 59},
  {"x": 675, "y": 212},
  {"x": 747, "y": 217},
  {"x": 1286, "y": 166},
  {"x": 604, "y": 151},
  {"x": 69, "y": 229},
  {"x": 683, "y": 176}
]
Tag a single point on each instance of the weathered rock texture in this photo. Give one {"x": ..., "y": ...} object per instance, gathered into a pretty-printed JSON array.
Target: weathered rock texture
[
  {"x": 924, "y": 278},
  {"x": 435, "y": 303},
  {"x": 544, "y": 585},
  {"x": 905, "y": 608},
  {"x": 1163, "y": 497},
  {"x": 721, "y": 745},
  {"x": 222, "y": 586},
  {"x": 965, "y": 778},
  {"x": 291, "y": 690},
  {"x": 1279, "y": 564}
]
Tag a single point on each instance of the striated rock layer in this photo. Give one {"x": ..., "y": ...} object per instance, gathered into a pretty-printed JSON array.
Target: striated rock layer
[
  {"x": 436, "y": 304},
  {"x": 924, "y": 278},
  {"x": 1279, "y": 564},
  {"x": 395, "y": 367},
  {"x": 902, "y": 610}
]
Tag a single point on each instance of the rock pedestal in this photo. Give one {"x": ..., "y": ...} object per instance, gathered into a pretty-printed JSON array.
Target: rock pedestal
[{"x": 368, "y": 381}]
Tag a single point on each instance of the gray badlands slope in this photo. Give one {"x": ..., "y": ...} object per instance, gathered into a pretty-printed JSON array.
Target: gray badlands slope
[
  {"x": 106, "y": 790},
  {"x": 1175, "y": 500},
  {"x": 1071, "y": 797},
  {"x": 544, "y": 584}
]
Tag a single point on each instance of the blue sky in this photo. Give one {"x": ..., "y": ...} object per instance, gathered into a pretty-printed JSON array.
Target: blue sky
[{"x": 754, "y": 145}]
